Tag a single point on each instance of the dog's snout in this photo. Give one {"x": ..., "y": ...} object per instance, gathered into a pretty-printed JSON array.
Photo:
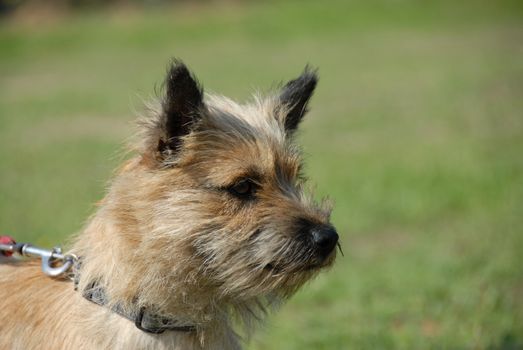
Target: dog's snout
[{"x": 324, "y": 239}]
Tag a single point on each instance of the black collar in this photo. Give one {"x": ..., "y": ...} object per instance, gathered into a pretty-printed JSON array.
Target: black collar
[{"x": 145, "y": 320}]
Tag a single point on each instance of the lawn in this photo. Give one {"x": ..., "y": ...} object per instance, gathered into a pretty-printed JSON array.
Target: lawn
[{"x": 416, "y": 133}]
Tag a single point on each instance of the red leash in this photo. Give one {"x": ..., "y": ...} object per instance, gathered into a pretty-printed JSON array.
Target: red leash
[{"x": 6, "y": 240}]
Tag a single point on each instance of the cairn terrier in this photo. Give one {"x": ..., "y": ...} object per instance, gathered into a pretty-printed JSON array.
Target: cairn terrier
[{"x": 205, "y": 229}]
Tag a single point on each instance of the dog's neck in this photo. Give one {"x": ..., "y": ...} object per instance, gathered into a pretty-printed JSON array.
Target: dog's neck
[{"x": 116, "y": 264}]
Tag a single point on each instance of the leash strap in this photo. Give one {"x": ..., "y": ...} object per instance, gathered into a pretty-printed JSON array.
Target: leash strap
[{"x": 7, "y": 245}]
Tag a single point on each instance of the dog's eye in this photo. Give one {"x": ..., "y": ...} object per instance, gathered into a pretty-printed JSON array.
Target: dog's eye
[{"x": 243, "y": 188}]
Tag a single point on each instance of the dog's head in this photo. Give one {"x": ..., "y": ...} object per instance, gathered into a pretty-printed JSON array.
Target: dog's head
[{"x": 225, "y": 189}]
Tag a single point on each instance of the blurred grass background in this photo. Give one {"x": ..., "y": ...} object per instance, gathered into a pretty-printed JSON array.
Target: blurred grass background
[{"x": 416, "y": 132}]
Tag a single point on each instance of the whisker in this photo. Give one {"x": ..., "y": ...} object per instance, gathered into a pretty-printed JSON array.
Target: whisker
[{"x": 339, "y": 247}]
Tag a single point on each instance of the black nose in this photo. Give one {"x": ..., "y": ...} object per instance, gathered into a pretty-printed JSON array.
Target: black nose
[{"x": 325, "y": 239}]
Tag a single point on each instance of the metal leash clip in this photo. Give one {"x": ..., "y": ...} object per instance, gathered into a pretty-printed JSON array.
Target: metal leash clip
[{"x": 50, "y": 258}]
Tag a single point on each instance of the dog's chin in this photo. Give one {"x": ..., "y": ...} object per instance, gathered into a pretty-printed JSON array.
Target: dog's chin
[{"x": 277, "y": 268}]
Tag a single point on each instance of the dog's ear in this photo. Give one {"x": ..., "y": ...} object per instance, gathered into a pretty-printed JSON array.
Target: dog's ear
[
  {"x": 294, "y": 98},
  {"x": 181, "y": 106}
]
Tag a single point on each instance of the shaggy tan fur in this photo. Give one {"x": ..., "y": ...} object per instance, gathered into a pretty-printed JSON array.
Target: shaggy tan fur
[{"x": 173, "y": 234}]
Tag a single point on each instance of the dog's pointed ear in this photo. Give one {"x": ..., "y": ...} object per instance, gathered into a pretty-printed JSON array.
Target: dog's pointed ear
[
  {"x": 295, "y": 96},
  {"x": 182, "y": 106}
]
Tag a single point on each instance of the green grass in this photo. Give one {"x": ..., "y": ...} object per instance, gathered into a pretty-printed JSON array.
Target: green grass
[{"x": 416, "y": 132}]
